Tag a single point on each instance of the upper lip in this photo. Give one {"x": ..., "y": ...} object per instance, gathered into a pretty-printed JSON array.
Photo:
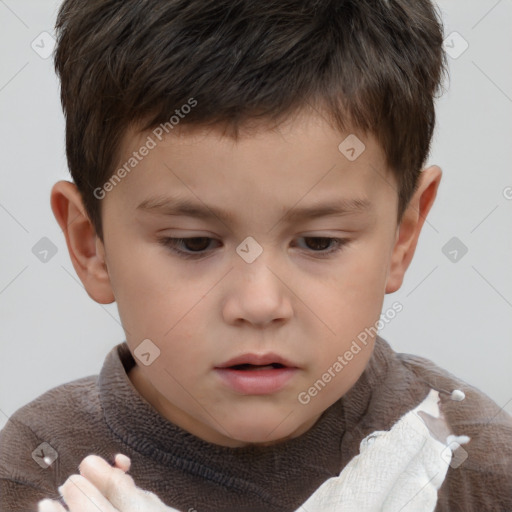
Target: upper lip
[{"x": 257, "y": 359}]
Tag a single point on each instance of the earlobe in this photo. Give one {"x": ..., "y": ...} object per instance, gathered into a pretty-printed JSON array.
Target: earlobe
[
  {"x": 83, "y": 245},
  {"x": 411, "y": 225}
]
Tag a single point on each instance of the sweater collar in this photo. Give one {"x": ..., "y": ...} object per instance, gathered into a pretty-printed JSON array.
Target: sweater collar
[{"x": 323, "y": 448}]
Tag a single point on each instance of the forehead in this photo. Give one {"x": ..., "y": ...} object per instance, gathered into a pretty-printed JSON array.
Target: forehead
[{"x": 304, "y": 158}]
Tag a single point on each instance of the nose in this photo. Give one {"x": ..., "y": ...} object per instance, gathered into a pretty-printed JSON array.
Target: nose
[{"x": 257, "y": 294}]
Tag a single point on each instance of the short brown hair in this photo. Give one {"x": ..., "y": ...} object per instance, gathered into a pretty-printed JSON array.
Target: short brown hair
[{"x": 370, "y": 65}]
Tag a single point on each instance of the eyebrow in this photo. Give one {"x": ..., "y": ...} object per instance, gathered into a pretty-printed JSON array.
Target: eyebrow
[{"x": 170, "y": 206}]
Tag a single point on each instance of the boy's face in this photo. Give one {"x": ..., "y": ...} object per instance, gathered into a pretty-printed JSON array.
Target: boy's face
[{"x": 294, "y": 299}]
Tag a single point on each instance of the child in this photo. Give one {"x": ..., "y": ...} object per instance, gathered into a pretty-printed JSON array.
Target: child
[{"x": 248, "y": 186}]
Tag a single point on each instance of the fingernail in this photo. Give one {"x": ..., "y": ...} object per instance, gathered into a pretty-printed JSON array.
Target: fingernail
[{"x": 122, "y": 459}]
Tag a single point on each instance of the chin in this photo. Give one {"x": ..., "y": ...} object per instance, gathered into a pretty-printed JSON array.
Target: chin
[
  {"x": 263, "y": 432},
  {"x": 258, "y": 439}
]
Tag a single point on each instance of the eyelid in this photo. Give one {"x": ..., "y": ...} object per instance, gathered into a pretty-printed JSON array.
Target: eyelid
[{"x": 170, "y": 243}]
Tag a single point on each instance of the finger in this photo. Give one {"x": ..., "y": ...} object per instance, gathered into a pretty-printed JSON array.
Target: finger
[
  {"x": 119, "y": 488},
  {"x": 122, "y": 462},
  {"x": 50, "y": 506},
  {"x": 107, "y": 479},
  {"x": 81, "y": 495}
]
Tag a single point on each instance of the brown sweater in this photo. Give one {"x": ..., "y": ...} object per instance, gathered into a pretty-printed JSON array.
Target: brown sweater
[{"x": 105, "y": 415}]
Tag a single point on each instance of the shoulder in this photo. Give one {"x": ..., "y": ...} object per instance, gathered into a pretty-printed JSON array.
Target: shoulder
[
  {"x": 479, "y": 475},
  {"x": 76, "y": 397},
  {"x": 476, "y": 414},
  {"x": 37, "y": 438}
]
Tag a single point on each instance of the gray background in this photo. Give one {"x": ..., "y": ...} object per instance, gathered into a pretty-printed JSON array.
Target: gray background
[{"x": 454, "y": 313}]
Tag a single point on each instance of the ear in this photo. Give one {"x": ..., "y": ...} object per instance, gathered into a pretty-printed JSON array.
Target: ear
[
  {"x": 86, "y": 250},
  {"x": 410, "y": 227}
]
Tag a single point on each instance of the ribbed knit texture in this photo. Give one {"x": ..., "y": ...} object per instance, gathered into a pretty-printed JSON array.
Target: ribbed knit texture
[{"x": 105, "y": 415}]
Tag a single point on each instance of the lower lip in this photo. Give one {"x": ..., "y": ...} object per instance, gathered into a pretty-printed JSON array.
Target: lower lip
[{"x": 256, "y": 382}]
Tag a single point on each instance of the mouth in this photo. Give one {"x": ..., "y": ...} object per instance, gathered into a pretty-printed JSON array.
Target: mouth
[
  {"x": 253, "y": 367},
  {"x": 263, "y": 375},
  {"x": 253, "y": 361}
]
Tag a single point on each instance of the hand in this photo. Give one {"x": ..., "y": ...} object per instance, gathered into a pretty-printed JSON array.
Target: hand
[{"x": 103, "y": 487}]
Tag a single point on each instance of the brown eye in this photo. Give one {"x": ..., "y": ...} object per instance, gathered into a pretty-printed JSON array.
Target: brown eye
[
  {"x": 197, "y": 243},
  {"x": 194, "y": 247},
  {"x": 319, "y": 243},
  {"x": 198, "y": 246},
  {"x": 322, "y": 246}
]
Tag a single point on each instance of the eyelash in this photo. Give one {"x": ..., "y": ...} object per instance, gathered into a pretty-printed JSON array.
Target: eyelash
[{"x": 171, "y": 243}]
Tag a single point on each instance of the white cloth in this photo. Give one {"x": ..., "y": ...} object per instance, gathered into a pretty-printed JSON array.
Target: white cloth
[{"x": 396, "y": 470}]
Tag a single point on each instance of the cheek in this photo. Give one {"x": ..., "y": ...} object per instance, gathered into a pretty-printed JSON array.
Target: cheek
[
  {"x": 151, "y": 292},
  {"x": 351, "y": 299}
]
